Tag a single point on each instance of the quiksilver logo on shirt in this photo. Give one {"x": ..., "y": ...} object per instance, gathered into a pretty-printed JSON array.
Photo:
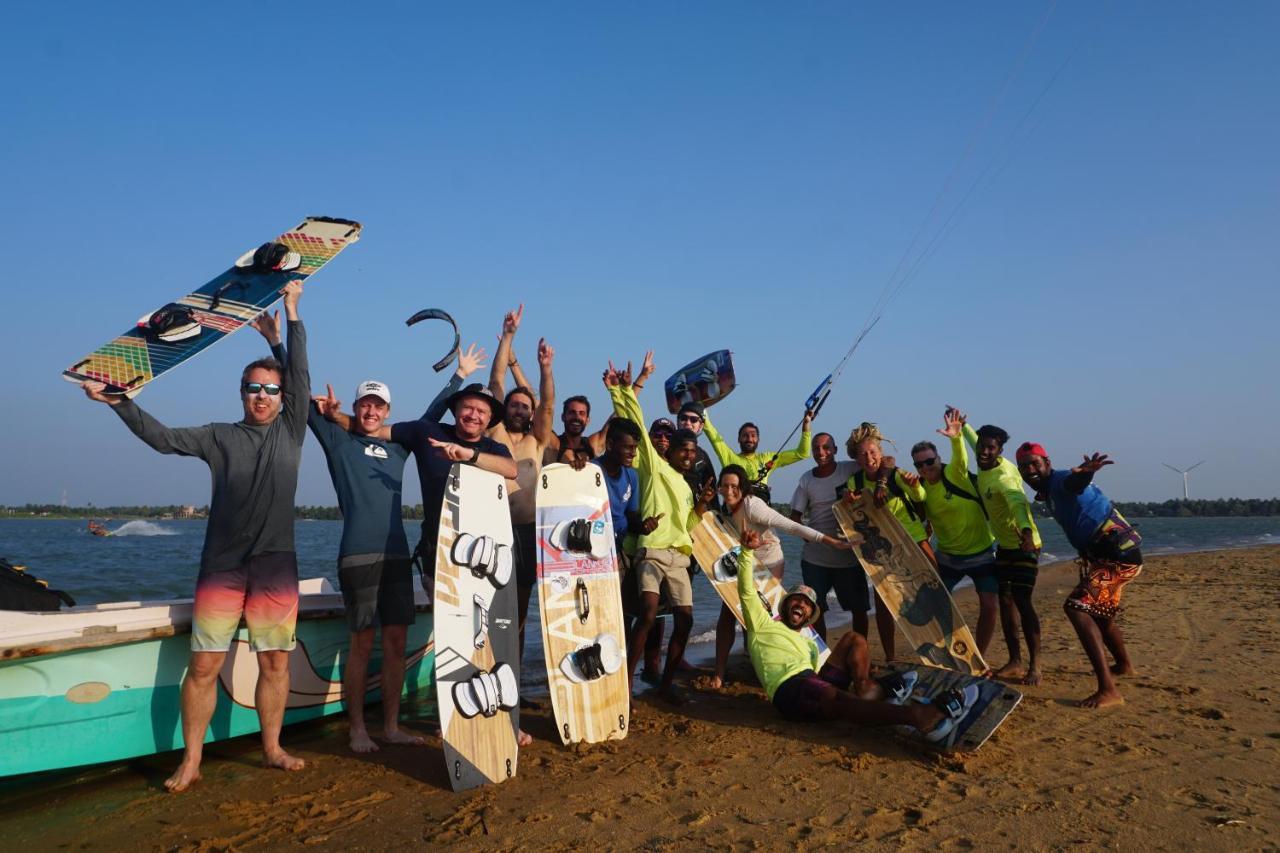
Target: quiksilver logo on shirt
[{"x": 376, "y": 451}]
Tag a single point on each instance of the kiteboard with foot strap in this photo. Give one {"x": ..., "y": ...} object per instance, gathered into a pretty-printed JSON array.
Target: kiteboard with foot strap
[
  {"x": 168, "y": 336},
  {"x": 580, "y": 604},
  {"x": 477, "y": 662}
]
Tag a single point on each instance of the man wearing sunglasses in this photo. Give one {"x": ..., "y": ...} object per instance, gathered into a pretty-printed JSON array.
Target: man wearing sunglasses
[
  {"x": 248, "y": 566},
  {"x": 955, "y": 509}
]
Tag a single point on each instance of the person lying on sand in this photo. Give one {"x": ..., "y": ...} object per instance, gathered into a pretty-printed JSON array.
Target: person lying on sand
[
  {"x": 1110, "y": 557},
  {"x": 784, "y": 660}
]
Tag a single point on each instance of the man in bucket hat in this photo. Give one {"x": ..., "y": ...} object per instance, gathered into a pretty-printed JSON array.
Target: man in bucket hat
[{"x": 842, "y": 689}]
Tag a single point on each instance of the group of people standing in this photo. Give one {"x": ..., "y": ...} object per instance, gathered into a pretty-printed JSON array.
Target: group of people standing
[{"x": 660, "y": 482}]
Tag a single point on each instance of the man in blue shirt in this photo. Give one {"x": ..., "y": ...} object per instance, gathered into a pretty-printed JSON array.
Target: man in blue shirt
[{"x": 1110, "y": 557}]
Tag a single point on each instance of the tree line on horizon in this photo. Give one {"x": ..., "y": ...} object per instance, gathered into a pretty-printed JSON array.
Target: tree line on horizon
[{"x": 1173, "y": 508}]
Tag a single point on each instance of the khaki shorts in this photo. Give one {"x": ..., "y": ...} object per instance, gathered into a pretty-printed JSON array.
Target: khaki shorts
[{"x": 656, "y": 566}]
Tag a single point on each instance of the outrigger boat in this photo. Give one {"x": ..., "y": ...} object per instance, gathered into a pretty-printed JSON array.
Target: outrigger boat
[{"x": 101, "y": 683}]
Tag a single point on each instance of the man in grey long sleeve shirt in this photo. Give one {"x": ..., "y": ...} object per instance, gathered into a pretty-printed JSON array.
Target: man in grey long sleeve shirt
[{"x": 248, "y": 566}]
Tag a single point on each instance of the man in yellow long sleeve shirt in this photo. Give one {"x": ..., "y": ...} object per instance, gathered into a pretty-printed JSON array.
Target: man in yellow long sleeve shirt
[
  {"x": 757, "y": 465},
  {"x": 664, "y": 546},
  {"x": 784, "y": 661},
  {"x": 1017, "y": 548}
]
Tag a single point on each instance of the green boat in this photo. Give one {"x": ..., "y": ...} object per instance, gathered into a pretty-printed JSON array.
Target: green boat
[{"x": 101, "y": 683}]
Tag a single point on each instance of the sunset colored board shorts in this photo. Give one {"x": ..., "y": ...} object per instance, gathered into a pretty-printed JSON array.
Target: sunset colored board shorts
[
  {"x": 1101, "y": 584},
  {"x": 263, "y": 589}
]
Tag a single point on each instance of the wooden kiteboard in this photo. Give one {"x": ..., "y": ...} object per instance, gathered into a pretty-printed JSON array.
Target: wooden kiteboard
[
  {"x": 477, "y": 663},
  {"x": 580, "y": 602},
  {"x": 205, "y": 316},
  {"x": 909, "y": 586},
  {"x": 996, "y": 702},
  {"x": 717, "y": 550},
  {"x": 706, "y": 380}
]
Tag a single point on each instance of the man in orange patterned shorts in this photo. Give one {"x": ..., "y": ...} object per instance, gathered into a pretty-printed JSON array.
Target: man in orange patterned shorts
[{"x": 1109, "y": 556}]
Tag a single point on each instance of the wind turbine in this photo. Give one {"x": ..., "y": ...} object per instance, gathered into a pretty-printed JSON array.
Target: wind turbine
[{"x": 1186, "y": 477}]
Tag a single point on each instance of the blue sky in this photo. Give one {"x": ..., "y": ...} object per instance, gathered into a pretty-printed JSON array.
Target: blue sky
[{"x": 685, "y": 177}]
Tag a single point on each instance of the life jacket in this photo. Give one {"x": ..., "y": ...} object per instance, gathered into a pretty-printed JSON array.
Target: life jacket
[
  {"x": 915, "y": 510},
  {"x": 22, "y": 591}
]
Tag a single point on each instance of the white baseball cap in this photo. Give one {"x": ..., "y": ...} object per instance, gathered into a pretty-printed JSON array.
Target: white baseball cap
[{"x": 374, "y": 388}]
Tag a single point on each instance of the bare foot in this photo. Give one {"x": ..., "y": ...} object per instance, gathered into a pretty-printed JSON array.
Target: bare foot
[
  {"x": 361, "y": 743},
  {"x": 284, "y": 761},
  {"x": 714, "y": 682},
  {"x": 1033, "y": 676},
  {"x": 403, "y": 738},
  {"x": 1103, "y": 699},
  {"x": 1125, "y": 668},
  {"x": 523, "y": 738},
  {"x": 1012, "y": 670},
  {"x": 184, "y": 777}
]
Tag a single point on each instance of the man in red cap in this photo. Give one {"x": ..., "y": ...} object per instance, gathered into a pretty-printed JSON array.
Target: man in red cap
[{"x": 1110, "y": 557}]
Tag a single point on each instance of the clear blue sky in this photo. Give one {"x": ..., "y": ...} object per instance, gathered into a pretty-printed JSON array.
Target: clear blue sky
[{"x": 679, "y": 176}]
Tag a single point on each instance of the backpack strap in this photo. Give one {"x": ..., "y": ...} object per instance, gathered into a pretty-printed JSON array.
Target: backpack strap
[{"x": 975, "y": 496}]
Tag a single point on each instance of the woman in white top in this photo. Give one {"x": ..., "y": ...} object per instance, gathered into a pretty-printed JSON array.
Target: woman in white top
[{"x": 745, "y": 511}]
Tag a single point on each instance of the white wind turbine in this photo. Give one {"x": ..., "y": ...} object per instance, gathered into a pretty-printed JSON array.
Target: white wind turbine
[{"x": 1186, "y": 477}]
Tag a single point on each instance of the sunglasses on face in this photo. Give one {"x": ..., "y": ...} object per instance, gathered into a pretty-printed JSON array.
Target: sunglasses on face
[
  {"x": 925, "y": 463},
  {"x": 690, "y": 418},
  {"x": 270, "y": 388}
]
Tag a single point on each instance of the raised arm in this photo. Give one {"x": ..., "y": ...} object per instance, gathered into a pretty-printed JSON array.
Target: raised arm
[
  {"x": 468, "y": 363},
  {"x": 544, "y": 416},
  {"x": 297, "y": 372},
  {"x": 723, "y": 452},
  {"x": 510, "y": 324},
  {"x": 803, "y": 450},
  {"x": 953, "y": 429},
  {"x": 183, "y": 441},
  {"x": 267, "y": 324},
  {"x": 753, "y": 613}
]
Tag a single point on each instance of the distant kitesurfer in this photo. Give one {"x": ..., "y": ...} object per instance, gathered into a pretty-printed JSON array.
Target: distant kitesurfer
[
  {"x": 1110, "y": 556},
  {"x": 786, "y": 662},
  {"x": 1017, "y": 548},
  {"x": 247, "y": 566},
  {"x": 955, "y": 511},
  {"x": 824, "y": 568}
]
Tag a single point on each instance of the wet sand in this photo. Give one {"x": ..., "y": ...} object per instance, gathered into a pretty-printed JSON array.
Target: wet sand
[{"x": 1192, "y": 760}]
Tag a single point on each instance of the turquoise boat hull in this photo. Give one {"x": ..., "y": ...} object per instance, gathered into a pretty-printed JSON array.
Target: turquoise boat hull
[{"x": 107, "y": 703}]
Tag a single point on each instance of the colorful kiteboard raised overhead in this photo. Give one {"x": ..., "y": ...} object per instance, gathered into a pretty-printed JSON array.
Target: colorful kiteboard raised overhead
[
  {"x": 706, "y": 380},
  {"x": 168, "y": 336},
  {"x": 580, "y": 602}
]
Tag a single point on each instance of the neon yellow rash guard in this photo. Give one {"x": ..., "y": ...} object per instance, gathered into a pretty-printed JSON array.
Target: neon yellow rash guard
[
  {"x": 896, "y": 505},
  {"x": 777, "y": 652},
  {"x": 663, "y": 490},
  {"x": 1007, "y": 504},
  {"x": 753, "y": 463},
  {"x": 959, "y": 523}
]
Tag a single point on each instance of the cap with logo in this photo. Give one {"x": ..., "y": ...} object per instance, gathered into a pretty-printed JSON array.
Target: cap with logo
[{"x": 373, "y": 388}]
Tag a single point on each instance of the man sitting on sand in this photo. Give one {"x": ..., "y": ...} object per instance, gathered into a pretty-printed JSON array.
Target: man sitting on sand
[
  {"x": 785, "y": 660},
  {"x": 1110, "y": 557},
  {"x": 247, "y": 566}
]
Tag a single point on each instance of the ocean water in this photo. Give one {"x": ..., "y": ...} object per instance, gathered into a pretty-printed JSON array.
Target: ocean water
[{"x": 158, "y": 559}]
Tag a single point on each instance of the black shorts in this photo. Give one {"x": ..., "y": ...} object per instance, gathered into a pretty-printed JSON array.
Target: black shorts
[
  {"x": 801, "y": 696},
  {"x": 849, "y": 583},
  {"x": 526, "y": 554},
  {"x": 1016, "y": 569},
  {"x": 378, "y": 593}
]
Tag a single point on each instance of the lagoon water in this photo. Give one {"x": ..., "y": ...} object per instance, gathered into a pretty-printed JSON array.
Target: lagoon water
[{"x": 158, "y": 559}]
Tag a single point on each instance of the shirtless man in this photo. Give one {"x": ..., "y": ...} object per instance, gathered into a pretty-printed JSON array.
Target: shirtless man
[
  {"x": 525, "y": 430},
  {"x": 248, "y": 566}
]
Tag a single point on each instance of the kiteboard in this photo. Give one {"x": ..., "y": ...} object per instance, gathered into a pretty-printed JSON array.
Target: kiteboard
[
  {"x": 995, "y": 703},
  {"x": 719, "y": 555},
  {"x": 477, "y": 664},
  {"x": 909, "y": 586},
  {"x": 580, "y": 604},
  {"x": 706, "y": 380},
  {"x": 164, "y": 338}
]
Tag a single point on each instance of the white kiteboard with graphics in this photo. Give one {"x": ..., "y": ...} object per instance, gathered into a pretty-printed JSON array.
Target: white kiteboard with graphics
[
  {"x": 477, "y": 661},
  {"x": 580, "y": 603}
]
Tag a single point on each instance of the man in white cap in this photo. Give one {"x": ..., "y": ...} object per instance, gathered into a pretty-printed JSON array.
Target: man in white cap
[
  {"x": 786, "y": 662},
  {"x": 374, "y": 566}
]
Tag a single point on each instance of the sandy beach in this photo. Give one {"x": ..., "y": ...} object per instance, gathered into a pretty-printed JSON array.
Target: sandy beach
[{"x": 1190, "y": 761}]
